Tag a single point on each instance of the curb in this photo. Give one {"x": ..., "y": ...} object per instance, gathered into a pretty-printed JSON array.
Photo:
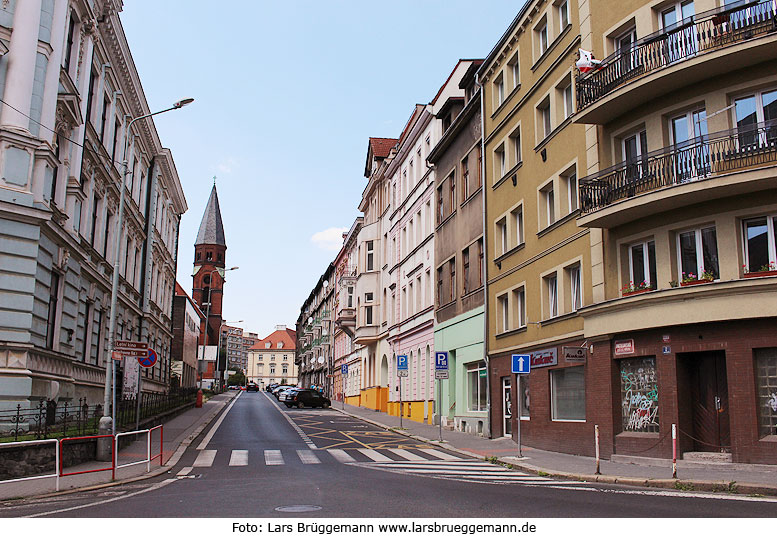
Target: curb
[
  {"x": 169, "y": 464},
  {"x": 711, "y": 486}
]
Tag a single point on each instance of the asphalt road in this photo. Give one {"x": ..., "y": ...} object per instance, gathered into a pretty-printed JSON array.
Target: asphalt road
[{"x": 260, "y": 459}]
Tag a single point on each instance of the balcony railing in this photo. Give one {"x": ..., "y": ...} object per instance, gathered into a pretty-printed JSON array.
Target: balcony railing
[
  {"x": 690, "y": 37},
  {"x": 696, "y": 159}
]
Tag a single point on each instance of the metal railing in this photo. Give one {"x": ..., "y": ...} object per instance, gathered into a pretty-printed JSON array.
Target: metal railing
[
  {"x": 699, "y": 34},
  {"x": 694, "y": 160}
]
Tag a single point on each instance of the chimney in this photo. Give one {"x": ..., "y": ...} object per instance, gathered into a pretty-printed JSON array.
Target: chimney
[{"x": 280, "y": 327}]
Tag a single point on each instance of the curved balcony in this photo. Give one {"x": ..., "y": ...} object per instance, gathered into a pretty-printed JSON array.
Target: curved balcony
[
  {"x": 697, "y": 48},
  {"x": 719, "y": 165}
]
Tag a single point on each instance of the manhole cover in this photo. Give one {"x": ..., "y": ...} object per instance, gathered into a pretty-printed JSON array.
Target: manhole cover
[{"x": 298, "y": 508}]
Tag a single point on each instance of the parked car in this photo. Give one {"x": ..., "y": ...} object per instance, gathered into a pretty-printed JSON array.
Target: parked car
[
  {"x": 271, "y": 387},
  {"x": 306, "y": 397},
  {"x": 252, "y": 387},
  {"x": 278, "y": 389},
  {"x": 283, "y": 393}
]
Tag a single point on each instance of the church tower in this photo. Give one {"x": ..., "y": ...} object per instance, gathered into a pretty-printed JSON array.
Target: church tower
[{"x": 210, "y": 251}]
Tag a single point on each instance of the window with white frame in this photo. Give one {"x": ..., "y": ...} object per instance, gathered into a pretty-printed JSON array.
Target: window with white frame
[
  {"x": 567, "y": 393},
  {"x": 542, "y": 37},
  {"x": 551, "y": 291},
  {"x": 760, "y": 244},
  {"x": 516, "y": 219},
  {"x": 547, "y": 205},
  {"x": 515, "y": 146},
  {"x": 370, "y": 255},
  {"x": 477, "y": 392},
  {"x": 499, "y": 90},
  {"x": 515, "y": 70},
  {"x": 544, "y": 126},
  {"x": 625, "y": 47},
  {"x": 642, "y": 266},
  {"x": 575, "y": 287},
  {"x": 500, "y": 160},
  {"x": 569, "y": 180},
  {"x": 504, "y": 313},
  {"x": 502, "y": 236},
  {"x": 566, "y": 95},
  {"x": 519, "y": 307},
  {"x": 563, "y": 15},
  {"x": 754, "y": 110},
  {"x": 697, "y": 254}
]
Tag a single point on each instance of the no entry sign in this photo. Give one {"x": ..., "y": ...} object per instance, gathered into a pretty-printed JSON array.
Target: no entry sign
[{"x": 148, "y": 361}]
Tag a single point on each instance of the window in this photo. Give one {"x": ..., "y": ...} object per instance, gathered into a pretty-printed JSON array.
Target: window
[
  {"x": 766, "y": 388},
  {"x": 502, "y": 236},
  {"x": 684, "y": 129},
  {"x": 569, "y": 179},
  {"x": 551, "y": 289},
  {"x": 547, "y": 206},
  {"x": 563, "y": 15},
  {"x": 439, "y": 286},
  {"x": 90, "y": 96},
  {"x": 104, "y": 117},
  {"x": 754, "y": 110},
  {"x": 480, "y": 165},
  {"x": 368, "y": 314},
  {"x": 697, "y": 254},
  {"x": 635, "y": 155},
  {"x": 575, "y": 287},
  {"x": 419, "y": 297},
  {"x": 69, "y": 44},
  {"x": 760, "y": 244},
  {"x": 480, "y": 262},
  {"x": 452, "y": 275},
  {"x": 519, "y": 307},
  {"x": 516, "y": 217},
  {"x": 542, "y": 37},
  {"x": 567, "y": 394},
  {"x": 515, "y": 144},
  {"x": 350, "y": 297},
  {"x": 566, "y": 94},
  {"x": 272, "y": 369},
  {"x": 476, "y": 387},
  {"x": 543, "y": 119},
  {"x": 678, "y": 44},
  {"x": 625, "y": 47},
  {"x": 440, "y": 209},
  {"x": 368, "y": 297},
  {"x": 515, "y": 70},
  {"x": 499, "y": 90},
  {"x": 370, "y": 255},
  {"x": 465, "y": 271},
  {"x": 51, "y": 320},
  {"x": 500, "y": 160},
  {"x": 452, "y": 191},
  {"x": 642, "y": 265},
  {"x": 639, "y": 395},
  {"x": 464, "y": 179},
  {"x": 284, "y": 368}
]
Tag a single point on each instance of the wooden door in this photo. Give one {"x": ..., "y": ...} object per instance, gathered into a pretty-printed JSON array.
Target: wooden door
[{"x": 709, "y": 397}]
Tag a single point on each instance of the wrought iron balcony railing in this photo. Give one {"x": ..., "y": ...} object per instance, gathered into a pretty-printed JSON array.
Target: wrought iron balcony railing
[
  {"x": 691, "y": 37},
  {"x": 696, "y": 159}
]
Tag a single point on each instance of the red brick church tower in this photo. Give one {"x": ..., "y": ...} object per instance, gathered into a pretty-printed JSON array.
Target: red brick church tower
[{"x": 210, "y": 252}]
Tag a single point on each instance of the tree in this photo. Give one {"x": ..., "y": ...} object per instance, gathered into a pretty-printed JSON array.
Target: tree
[{"x": 237, "y": 378}]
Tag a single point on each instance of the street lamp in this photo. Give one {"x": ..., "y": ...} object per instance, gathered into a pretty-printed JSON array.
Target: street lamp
[
  {"x": 218, "y": 349},
  {"x": 207, "y": 311},
  {"x": 110, "y": 387}
]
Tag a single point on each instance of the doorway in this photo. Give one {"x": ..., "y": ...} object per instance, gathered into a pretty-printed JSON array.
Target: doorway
[
  {"x": 704, "y": 403},
  {"x": 507, "y": 407}
]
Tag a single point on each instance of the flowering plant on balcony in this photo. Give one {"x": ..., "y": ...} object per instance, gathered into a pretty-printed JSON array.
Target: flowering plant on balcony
[
  {"x": 633, "y": 288},
  {"x": 767, "y": 269},
  {"x": 689, "y": 278}
]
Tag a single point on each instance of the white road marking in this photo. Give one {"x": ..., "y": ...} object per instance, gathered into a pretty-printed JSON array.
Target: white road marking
[
  {"x": 341, "y": 455},
  {"x": 307, "y": 457},
  {"x": 273, "y": 457},
  {"x": 212, "y": 431},
  {"x": 410, "y": 456},
  {"x": 205, "y": 458},
  {"x": 438, "y": 454},
  {"x": 298, "y": 429},
  {"x": 238, "y": 458},
  {"x": 185, "y": 471},
  {"x": 374, "y": 455}
]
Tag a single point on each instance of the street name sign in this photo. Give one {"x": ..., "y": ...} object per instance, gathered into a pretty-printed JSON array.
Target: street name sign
[
  {"x": 441, "y": 365},
  {"x": 402, "y": 365},
  {"x": 521, "y": 364},
  {"x": 137, "y": 348}
]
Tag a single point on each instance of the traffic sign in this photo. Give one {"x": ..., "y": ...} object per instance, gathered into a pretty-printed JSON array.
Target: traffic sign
[
  {"x": 441, "y": 360},
  {"x": 344, "y": 369},
  {"x": 521, "y": 363},
  {"x": 402, "y": 370},
  {"x": 131, "y": 347},
  {"x": 149, "y": 360}
]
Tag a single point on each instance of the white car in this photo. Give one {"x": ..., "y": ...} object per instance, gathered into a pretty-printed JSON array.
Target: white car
[{"x": 279, "y": 389}]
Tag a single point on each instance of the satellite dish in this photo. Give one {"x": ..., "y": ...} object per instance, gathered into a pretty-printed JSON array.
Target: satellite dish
[
  {"x": 326, "y": 284},
  {"x": 310, "y": 320}
]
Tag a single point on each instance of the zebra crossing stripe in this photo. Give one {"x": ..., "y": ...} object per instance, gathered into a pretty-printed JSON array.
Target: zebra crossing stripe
[
  {"x": 410, "y": 456},
  {"x": 205, "y": 458},
  {"x": 341, "y": 455},
  {"x": 239, "y": 458},
  {"x": 308, "y": 457},
  {"x": 374, "y": 455},
  {"x": 273, "y": 457},
  {"x": 438, "y": 454}
]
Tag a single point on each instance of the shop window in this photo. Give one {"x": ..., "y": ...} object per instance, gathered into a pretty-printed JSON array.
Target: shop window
[
  {"x": 476, "y": 386},
  {"x": 639, "y": 395},
  {"x": 567, "y": 394},
  {"x": 523, "y": 398},
  {"x": 766, "y": 383}
]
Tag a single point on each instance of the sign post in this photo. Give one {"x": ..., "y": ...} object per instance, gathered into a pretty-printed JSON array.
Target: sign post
[
  {"x": 144, "y": 361},
  {"x": 440, "y": 373},
  {"x": 344, "y": 372},
  {"x": 521, "y": 365},
  {"x": 401, "y": 372}
]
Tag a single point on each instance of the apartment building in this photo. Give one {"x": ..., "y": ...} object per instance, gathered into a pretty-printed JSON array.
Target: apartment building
[
  {"x": 314, "y": 327},
  {"x": 459, "y": 254},
  {"x": 273, "y": 359},
  {"x": 679, "y": 197},
  {"x": 345, "y": 371},
  {"x": 538, "y": 259},
  {"x": 69, "y": 90},
  {"x": 187, "y": 324}
]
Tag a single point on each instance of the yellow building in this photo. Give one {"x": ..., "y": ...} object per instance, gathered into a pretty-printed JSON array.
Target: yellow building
[{"x": 271, "y": 360}]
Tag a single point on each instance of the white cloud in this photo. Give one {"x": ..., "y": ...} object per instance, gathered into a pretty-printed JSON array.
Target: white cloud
[
  {"x": 330, "y": 239},
  {"x": 227, "y": 166}
]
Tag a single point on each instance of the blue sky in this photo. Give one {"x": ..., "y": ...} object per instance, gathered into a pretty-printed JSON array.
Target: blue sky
[{"x": 287, "y": 95}]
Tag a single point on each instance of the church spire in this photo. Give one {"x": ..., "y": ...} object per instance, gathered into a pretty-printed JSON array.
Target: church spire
[{"x": 211, "y": 228}]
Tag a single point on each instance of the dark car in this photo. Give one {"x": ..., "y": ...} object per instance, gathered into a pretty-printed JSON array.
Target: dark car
[
  {"x": 306, "y": 397},
  {"x": 271, "y": 387},
  {"x": 252, "y": 387}
]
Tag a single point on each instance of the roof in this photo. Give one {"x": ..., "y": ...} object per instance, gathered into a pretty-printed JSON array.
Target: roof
[
  {"x": 211, "y": 227},
  {"x": 288, "y": 337},
  {"x": 381, "y": 147},
  {"x": 180, "y": 292}
]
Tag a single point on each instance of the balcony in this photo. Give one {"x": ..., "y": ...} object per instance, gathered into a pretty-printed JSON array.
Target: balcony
[
  {"x": 365, "y": 335},
  {"x": 346, "y": 319},
  {"x": 709, "y": 167},
  {"x": 697, "y": 48}
]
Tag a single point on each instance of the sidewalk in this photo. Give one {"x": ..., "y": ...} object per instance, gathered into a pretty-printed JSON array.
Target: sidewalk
[
  {"x": 178, "y": 433},
  {"x": 634, "y": 471}
]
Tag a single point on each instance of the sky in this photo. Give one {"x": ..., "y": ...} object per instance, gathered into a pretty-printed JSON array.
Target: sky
[{"x": 287, "y": 94}]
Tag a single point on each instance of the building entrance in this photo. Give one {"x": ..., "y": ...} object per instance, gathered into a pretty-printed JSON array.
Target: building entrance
[
  {"x": 507, "y": 407},
  {"x": 705, "y": 401}
]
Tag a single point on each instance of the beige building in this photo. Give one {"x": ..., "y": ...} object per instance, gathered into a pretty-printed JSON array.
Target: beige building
[
  {"x": 661, "y": 265},
  {"x": 271, "y": 360}
]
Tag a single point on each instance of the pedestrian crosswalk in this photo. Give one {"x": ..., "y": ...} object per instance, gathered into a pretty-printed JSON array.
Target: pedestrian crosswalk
[{"x": 416, "y": 462}]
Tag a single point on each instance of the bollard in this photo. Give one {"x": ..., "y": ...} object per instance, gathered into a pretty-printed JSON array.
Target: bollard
[
  {"x": 674, "y": 451},
  {"x": 596, "y": 432},
  {"x": 198, "y": 404}
]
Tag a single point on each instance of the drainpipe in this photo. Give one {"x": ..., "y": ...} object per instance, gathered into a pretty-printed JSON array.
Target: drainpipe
[{"x": 485, "y": 258}]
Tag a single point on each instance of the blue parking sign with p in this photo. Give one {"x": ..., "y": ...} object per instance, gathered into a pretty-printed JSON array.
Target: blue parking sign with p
[
  {"x": 441, "y": 361},
  {"x": 344, "y": 369},
  {"x": 402, "y": 362},
  {"x": 521, "y": 363}
]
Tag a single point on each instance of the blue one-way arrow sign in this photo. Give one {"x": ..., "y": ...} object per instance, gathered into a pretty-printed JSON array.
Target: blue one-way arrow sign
[{"x": 521, "y": 363}]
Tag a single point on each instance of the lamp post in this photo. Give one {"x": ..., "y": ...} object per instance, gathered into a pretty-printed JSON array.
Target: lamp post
[
  {"x": 207, "y": 311},
  {"x": 218, "y": 350},
  {"x": 109, "y": 399}
]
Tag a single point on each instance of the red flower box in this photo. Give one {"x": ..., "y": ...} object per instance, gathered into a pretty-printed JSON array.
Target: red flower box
[
  {"x": 761, "y": 274},
  {"x": 632, "y": 293},
  {"x": 694, "y": 282}
]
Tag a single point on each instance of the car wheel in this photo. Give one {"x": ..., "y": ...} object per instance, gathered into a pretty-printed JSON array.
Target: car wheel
[
  {"x": 327, "y": 405},
  {"x": 299, "y": 405},
  {"x": 288, "y": 405}
]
